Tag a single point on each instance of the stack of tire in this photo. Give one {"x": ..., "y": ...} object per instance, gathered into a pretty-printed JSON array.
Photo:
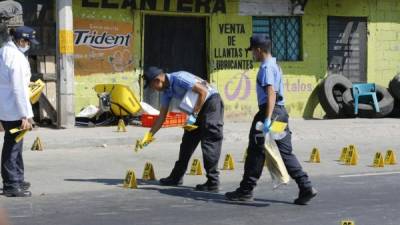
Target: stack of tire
[{"x": 336, "y": 98}]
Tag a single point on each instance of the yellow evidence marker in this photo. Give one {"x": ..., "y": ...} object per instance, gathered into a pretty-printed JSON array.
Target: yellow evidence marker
[
  {"x": 130, "y": 180},
  {"x": 196, "y": 168},
  {"x": 390, "y": 158},
  {"x": 21, "y": 134},
  {"x": 148, "y": 173},
  {"x": 229, "y": 163},
  {"x": 37, "y": 145},
  {"x": 352, "y": 156},
  {"x": 343, "y": 154},
  {"x": 315, "y": 156},
  {"x": 121, "y": 126},
  {"x": 378, "y": 160},
  {"x": 347, "y": 222}
]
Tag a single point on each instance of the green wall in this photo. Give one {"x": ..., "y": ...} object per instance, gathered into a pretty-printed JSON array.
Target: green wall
[{"x": 237, "y": 86}]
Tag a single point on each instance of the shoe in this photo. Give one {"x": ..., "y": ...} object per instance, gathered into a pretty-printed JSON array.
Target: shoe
[
  {"x": 25, "y": 185},
  {"x": 169, "y": 181},
  {"x": 208, "y": 187},
  {"x": 16, "y": 192},
  {"x": 239, "y": 196},
  {"x": 305, "y": 196}
]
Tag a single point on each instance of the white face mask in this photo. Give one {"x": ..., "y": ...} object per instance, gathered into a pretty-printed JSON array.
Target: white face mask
[{"x": 24, "y": 49}]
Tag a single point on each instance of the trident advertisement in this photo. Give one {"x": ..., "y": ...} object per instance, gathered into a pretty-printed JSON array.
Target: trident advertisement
[{"x": 102, "y": 46}]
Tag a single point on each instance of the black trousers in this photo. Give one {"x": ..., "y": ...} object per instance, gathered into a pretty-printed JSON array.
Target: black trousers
[
  {"x": 210, "y": 134},
  {"x": 256, "y": 153},
  {"x": 12, "y": 164}
]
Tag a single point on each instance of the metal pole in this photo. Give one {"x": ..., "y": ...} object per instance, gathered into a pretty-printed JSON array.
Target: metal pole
[{"x": 65, "y": 65}]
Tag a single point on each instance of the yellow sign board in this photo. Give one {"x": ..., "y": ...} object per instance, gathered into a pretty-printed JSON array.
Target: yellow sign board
[
  {"x": 390, "y": 158},
  {"x": 148, "y": 173},
  {"x": 196, "y": 168},
  {"x": 378, "y": 160},
  {"x": 315, "y": 156},
  {"x": 229, "y": 163},
  {"x": 66, "y": 41},
  {"x": 343, "y": 154},
  {"x": 130, "y": 180}
]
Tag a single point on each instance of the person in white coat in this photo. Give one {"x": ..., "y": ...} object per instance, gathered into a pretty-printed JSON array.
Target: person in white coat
[{"x": 15, "y": 108}]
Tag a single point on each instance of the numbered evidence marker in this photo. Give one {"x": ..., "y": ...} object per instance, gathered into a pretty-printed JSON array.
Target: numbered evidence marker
[
  {"x": 390, "y": 158},
  {"x": 121, "y": 126},
  {"x": 196, "y": 168},
  {"x": 37, "y": 145},
  {"x": 229, "y": 163},
  {"x": 352, "y": 156},
  {"x": 130, "y": 180},
  {"x": 343, "y": 154},
  {"x": 347, "y": 222},
  {"x": 315, "y": 156},
  {"x": 148, "y": 173},
  {"x": 378, "y": 160}
]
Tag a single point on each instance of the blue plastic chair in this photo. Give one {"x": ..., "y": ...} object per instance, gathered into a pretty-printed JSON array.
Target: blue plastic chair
[{"x": 364, "y": 89}]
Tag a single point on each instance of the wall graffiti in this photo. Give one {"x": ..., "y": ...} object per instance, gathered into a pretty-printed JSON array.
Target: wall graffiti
[{"x": 243, "y": 87}]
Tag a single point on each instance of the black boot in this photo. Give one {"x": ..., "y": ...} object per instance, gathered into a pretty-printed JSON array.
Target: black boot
[
  {"x": 305, "y": 195},
  {"x": 170, "y": 181},
  {"x": 239, "y": 195},
  {"x": 25, "y": 185},
  {"x": 208, "y": 186},
  {"x": 16, "y": 192}
]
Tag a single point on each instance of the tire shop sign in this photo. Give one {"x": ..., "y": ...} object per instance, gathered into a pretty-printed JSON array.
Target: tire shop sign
[
  {"x": 198, "y": 6},
  {"x": 102, "y": 46}
]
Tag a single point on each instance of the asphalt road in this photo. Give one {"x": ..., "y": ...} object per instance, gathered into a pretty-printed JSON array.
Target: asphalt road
[{"x": 366, "y": 199}]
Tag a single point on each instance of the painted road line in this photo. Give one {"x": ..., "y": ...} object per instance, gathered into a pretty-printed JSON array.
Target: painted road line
[{"x": 369, "y": 174}]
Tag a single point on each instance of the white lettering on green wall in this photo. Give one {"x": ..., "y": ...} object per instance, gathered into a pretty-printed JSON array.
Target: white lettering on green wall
[{"x": 198, "y": 6}]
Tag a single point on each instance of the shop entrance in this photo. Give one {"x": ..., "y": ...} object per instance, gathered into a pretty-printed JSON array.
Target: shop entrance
[{"x": 174, "y": 43}]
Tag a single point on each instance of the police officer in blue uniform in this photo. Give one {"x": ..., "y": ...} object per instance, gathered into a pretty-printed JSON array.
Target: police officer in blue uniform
[
  {"x": 15, "y": 108},
  {"x": 271, "y": 106},
  {"x": 208, "y": 113}
]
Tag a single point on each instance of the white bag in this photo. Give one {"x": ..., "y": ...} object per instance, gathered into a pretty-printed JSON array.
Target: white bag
[
  {"x": 189, "y": 101},
  {"x": 275, "y": 165}
]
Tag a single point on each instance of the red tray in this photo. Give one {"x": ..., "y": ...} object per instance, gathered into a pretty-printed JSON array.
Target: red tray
[{"x": 174, "y": 119}]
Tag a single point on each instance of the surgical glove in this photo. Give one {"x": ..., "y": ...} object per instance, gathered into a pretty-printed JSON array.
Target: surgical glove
[
  {"x": 147, "y": 139},
  {"x": 267, "y": 125},
  {"x": 191, "y": 120}
]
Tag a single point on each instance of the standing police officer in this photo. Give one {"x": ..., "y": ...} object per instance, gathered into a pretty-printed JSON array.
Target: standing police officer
[
  {"x": 208, "y": 113},
  {"x": 271, "y": 106},
  {"x": 15, "y": 108}
]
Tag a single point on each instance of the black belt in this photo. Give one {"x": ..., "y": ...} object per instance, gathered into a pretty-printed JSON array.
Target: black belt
[{"x": 263, "y": 107}]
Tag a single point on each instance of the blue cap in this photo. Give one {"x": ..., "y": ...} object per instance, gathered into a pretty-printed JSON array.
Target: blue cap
[
  {"x": 151, "y": 73},
  {"x": 258, "y": 40},
  {"x": 26, "y": 33}
]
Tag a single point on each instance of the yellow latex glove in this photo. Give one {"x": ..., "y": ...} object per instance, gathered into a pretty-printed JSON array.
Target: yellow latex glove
[{"x": 147, "y": 139}]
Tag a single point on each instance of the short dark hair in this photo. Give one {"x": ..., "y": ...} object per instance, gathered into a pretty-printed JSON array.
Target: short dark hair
[{"x": 267, "y": 46}]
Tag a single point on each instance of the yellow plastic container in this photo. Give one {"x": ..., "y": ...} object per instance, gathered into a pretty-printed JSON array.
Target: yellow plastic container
[
  {"x": 36, "y": 90},
  {"x": 123, "y": 100}
]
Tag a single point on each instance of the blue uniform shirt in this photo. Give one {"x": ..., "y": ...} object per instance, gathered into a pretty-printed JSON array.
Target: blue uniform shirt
[
  {"x": 269, "y": 74},
  {"x": 179, "y": 83}
]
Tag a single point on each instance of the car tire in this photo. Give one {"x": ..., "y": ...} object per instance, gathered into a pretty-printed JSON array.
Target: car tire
[
  {"x": 394, "y": 87},
  {"x": 330, "y": 94}
]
